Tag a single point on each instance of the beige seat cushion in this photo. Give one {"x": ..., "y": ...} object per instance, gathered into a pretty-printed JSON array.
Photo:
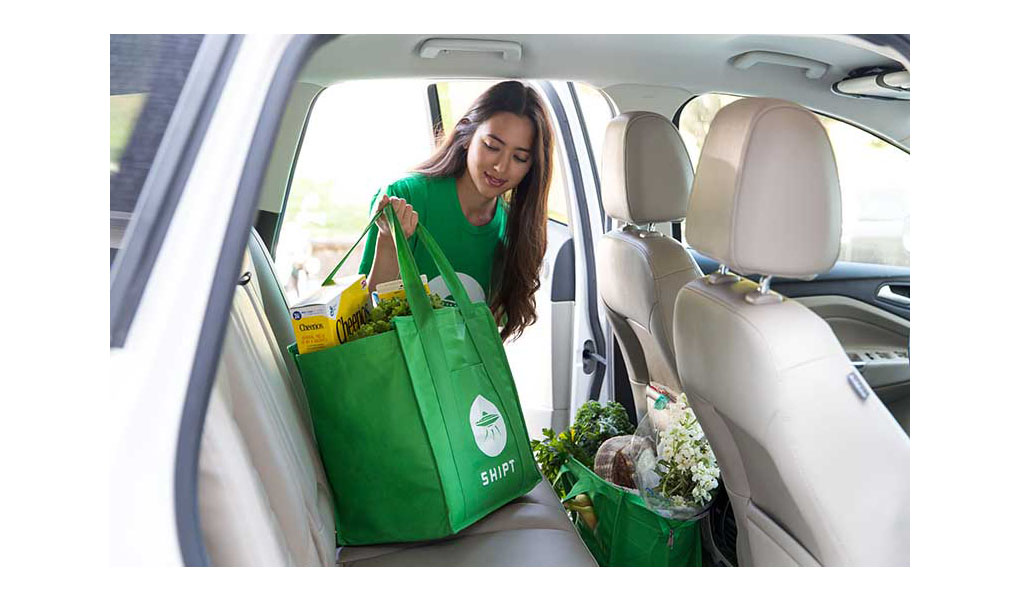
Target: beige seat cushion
[
  {"x": 263, "y": 496},
  {"x": 532, "y": 530}
]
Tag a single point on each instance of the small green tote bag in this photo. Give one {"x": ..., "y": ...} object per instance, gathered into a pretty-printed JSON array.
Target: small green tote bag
[
  {"x": 628, "y": 534},
  {"x": 419, "y": 428}
]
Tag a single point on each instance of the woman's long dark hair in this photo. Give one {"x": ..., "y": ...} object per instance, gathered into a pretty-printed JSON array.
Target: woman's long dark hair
[{"x": 515, "y": 274}]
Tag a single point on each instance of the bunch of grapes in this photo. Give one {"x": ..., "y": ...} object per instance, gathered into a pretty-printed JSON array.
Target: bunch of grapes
[{"x": 380, "y": 319}]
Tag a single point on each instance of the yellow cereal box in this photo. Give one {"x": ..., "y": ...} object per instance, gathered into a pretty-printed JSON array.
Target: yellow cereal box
[
  {"x": 395, "y": 288},
  {"x": 326, "y": 318}
]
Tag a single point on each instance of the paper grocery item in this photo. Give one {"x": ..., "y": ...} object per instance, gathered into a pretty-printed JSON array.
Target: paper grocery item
[
  {"x": 329, "y": 316},
  {"x": 395, "y": 288}
]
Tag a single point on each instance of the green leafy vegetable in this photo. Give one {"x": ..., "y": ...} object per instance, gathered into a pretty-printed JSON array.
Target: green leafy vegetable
[
  {"x": 595, "y": 423},
  {"x": 380, "y": 318}
]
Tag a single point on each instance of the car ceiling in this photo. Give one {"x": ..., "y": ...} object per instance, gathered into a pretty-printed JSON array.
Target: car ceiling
[{"x": 638, "y": 72}]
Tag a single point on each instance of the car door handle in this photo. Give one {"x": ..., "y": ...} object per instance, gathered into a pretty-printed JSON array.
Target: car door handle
[{"x": 886, "y": 292}]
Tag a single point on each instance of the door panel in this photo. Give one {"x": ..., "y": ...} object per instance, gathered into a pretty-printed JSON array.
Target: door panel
[
  {"x": 587, "y": 346},
  {"x": 876, "y": 342}
]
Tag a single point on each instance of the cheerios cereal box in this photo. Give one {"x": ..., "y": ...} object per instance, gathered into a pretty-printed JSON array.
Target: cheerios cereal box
[{"x": 326, "y": 318}]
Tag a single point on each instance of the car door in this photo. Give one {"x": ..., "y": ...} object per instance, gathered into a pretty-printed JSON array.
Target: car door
[
  {"x": 173, "y": 279},
  {"x": 865, "y": 297}
]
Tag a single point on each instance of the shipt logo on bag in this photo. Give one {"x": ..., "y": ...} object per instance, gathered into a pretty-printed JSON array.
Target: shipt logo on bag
[{"x": 488, "y": 426}]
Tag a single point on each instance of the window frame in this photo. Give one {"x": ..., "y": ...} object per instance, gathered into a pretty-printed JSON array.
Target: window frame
[
  {"x": 165, "y": 180},
  {"x": 565, "y": 133},
  {"x": 275, "y": 222},
  {"x": 605, "y": 218}
]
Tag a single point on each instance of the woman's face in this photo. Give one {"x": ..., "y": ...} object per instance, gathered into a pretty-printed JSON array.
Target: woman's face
[{"x": 500, "y": 153}]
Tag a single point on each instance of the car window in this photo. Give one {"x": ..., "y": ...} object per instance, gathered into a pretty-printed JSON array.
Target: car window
[
  {"x": 874, "y": 178},
  {"x": 146, "y": 76},
  {"x": 360, "y": 136}
]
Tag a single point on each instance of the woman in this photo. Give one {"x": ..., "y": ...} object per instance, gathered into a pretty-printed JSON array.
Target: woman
[{"x": 483, "y": 195}]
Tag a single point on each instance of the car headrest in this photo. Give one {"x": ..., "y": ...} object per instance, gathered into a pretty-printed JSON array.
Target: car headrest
[
  {"x": 766, "y": 198},
  {"x": 646, "y": 172}
]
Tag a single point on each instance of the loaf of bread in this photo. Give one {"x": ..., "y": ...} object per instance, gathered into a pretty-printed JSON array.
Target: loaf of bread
[{"x": 615, "y": 460}]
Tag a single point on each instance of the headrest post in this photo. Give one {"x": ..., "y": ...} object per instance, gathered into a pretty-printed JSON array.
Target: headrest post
[
  {"x": 721, "y": 276},
  {"x": 763, "y": 295}
]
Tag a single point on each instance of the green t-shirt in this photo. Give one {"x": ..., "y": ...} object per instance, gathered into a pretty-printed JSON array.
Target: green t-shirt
[{"x": 470, "y": 248}]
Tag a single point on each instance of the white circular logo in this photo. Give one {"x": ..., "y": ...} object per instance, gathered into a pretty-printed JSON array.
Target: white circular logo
[
  {"x": 488, "y": 426},
  {"x": 438, "y": 286}
]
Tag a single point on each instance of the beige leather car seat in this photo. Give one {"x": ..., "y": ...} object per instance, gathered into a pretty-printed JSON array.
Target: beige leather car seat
[
  {"x": 646, "y": 178},
  {"x": 816, "y": 468},
  {"x": 262, "y": 492},
  {"x": 263, "y": 495}
]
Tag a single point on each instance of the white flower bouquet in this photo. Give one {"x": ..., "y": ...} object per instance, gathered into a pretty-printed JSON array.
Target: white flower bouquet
[{"x": 675, "y": 470}]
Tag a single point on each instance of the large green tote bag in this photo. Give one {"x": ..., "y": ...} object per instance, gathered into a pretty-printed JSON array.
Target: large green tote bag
[{"x": 419, "y": 428}]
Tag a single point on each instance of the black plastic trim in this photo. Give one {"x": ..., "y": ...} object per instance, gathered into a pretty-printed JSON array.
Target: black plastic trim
[
  {"x": 588, "y": 239},
  {"x": 212, "y": 331},
  {"x": 266, "y": 222},
  {"x": 435, "y": 112},
  {"x": 678, "y": 113},
  {"x": 276, "y": 232},
  {"x": 564, "y": 278},
  {"x": 164, "y": 184},
  {"x": 620, "y": 380}
]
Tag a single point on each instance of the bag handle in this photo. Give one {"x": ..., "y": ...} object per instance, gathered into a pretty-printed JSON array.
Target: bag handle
[
  {"x": 329, "y": 279},
  {"x": 453, "y": 283}
]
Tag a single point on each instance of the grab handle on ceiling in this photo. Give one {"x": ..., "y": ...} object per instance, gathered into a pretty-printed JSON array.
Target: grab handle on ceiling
[
  {"x": 813, "y": 69},
  {"x": 431, "y": 48}
]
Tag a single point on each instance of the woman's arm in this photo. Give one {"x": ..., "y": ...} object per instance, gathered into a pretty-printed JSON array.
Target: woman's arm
[{"x": 384, "y": 263}]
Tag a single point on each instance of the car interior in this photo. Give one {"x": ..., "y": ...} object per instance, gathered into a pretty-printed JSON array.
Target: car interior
[{"x": 698, "y": 271}]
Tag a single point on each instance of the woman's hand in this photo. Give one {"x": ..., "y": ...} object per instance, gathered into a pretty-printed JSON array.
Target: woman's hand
[
  {"x": 407, "y": 216},
  {"x": 384, "y": 265}
]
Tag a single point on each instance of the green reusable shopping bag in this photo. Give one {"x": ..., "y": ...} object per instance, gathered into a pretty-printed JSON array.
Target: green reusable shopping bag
[
  {"x": 419, "y": 428},
  {"x": 628, "y": 534}
]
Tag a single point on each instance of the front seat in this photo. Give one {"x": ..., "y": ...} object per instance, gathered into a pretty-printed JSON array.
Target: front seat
[
  {"x": 646, "y": 178},
  {"x": 817, "y": 470}
]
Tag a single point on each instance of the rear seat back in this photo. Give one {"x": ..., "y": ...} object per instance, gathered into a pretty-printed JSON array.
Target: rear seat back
[{"x": 263, "y": 495}]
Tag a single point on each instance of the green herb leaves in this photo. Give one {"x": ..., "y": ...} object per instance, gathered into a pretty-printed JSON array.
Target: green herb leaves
[{"x": 595, "y": 423}]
